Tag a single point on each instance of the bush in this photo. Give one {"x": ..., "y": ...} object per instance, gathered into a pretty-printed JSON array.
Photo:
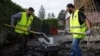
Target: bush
[
  {"x": 37, "y": 24},
  {"x": 53, "y": 23},
  {"x": 7, "y": 10},
  {"x": 48, "y": 24}
]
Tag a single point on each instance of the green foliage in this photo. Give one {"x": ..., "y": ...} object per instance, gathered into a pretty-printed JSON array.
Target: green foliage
[
  {"x": 51, "y": 15},
  {"x": 7, "y": 9},
  {"x": 61, "y": 15},
  {"x": 37, "y": 24},
  {"x": 53, "y": 23},
  {"x": 42, "y": 12}
]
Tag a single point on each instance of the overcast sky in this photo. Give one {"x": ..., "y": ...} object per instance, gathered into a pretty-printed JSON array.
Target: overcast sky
[{"x": 50, "y": 5}]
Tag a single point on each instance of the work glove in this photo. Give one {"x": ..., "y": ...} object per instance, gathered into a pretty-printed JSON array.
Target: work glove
[{"x": 88, "y": 32}]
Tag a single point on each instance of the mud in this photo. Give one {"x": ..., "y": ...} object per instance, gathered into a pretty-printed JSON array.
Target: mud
[
  {"x": 11, "y": 50},
  {"x": 91, "y": 49}
]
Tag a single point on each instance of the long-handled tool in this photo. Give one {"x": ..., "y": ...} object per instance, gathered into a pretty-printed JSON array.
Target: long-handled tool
[
  {"x": 62, "y": 31},
  {"x": 29, "y": 31}
]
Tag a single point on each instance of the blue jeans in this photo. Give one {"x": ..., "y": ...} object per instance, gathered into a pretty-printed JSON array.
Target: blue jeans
[{"x": 76, "y": 51}]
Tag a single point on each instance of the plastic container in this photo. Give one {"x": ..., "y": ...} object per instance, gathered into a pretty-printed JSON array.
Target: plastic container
[{"x": 51, "y": 40}]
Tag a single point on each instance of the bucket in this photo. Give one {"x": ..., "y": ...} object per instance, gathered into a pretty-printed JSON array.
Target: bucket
[{"x": 51, "y": 40}]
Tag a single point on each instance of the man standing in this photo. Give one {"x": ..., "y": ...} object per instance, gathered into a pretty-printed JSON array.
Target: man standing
[
  {"x": 78, "y": 23},
  {"x": 22, "y": 21}
]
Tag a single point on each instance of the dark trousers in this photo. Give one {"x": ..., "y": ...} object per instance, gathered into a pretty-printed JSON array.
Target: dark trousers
[{"x": 23, "y": 43}]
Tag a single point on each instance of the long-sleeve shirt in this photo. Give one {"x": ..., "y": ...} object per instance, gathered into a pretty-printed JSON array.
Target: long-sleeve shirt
[{"x": 17, "y": 17}]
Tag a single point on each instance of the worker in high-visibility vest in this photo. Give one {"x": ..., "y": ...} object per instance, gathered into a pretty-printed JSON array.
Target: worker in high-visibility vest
[
  {"x": 22, "y": 20},
  {"x": 78, "y": 23}
]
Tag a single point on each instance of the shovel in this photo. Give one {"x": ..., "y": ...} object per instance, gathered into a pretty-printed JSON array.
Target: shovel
[{"x": 29, "y": 31}]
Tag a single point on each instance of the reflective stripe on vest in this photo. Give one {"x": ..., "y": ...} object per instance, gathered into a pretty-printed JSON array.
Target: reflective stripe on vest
[
  {"x": 78, "y": 26},
  {"x": 24, "y": 24},
  {"x": 75, "y": 25}
]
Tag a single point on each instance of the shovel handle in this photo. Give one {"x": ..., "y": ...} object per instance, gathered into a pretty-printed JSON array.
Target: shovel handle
[
  {"x": 72, "y": 32},
  {"x": 45, "y": 36}
]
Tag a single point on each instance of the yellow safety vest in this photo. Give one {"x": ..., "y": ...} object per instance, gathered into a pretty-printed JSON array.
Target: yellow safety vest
[
  {"x": 75, "y": 26},
  {"x": 24, "y": 24}
]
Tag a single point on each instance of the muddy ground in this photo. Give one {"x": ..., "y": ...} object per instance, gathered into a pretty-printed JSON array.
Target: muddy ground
[{"x": 92, "y": 49}]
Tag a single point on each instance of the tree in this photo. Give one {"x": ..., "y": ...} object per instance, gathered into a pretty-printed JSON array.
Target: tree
[
  {"x": 53, "y": 15},
  {"x": 61, "y": 15},
  {"x": 49, "y": 15},
  {"x": 8, "y": 8},
  {"x": 42, "y": 12}
]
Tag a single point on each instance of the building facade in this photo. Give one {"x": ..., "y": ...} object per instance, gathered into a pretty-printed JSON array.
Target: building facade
[
  {"x": 92, "y": 11},
  {"x": 91, "y": 7}
]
